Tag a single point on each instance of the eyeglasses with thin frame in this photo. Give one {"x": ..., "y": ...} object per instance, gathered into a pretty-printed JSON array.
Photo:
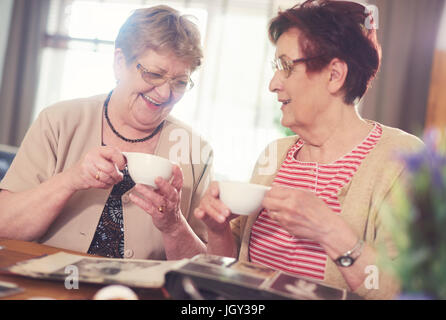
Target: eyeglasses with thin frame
[
  {"x": 283, "y": 64},
  {"x": 179, "y": 85}
]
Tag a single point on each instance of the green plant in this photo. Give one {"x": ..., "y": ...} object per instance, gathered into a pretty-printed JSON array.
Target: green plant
[{"x": 419, "y": 224}]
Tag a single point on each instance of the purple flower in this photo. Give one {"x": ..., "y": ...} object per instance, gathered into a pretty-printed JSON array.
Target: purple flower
[
  {"x": 429, "y": 158},
  {"x": 413, "y": 161}
]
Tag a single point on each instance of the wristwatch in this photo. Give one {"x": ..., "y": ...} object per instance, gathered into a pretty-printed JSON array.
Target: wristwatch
[{"x": 348, "y": 258}]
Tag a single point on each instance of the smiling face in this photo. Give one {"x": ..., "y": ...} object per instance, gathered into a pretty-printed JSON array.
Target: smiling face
[
  {"x": 304, "y": 96},
  {"x": 148, "y": 105}
]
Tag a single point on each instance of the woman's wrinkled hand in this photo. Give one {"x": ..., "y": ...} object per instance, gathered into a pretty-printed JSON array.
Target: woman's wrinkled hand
[
  {"x": 300, "y": 212},
  {"x": 99, "y": 168},
  {"x": 214, "y": 213},
  {"x": 162, "y": 203}
]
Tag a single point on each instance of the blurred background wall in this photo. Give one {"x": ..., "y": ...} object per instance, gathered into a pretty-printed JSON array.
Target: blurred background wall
[
  {"x": 5, "y": 18},
  {"x": 436, "y": 112},
  {"x": 52, "y": 50},
  {"x": 408, "y": 32}
]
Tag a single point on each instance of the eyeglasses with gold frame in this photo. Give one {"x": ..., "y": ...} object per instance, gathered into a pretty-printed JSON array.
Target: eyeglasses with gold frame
[
  {"x": 283, "y": 64},
  {"x": 179, "y": 84}
]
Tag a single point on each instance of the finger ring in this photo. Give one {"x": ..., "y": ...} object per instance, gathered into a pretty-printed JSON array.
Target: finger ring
[
  {"x": 97, "y": 175},
  {"x": 160, "y": 209}
]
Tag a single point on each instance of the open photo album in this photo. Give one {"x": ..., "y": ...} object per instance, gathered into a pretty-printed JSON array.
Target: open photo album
[{"x": 201, "y": 277}]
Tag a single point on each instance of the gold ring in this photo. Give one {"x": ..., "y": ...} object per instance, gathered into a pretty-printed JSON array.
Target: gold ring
[
  {"x": 97, "y": 175},
  {"x": 160, "y": 209}
]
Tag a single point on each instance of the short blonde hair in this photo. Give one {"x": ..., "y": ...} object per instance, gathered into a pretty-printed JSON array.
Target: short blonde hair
[{"x": 160, "y": 28}]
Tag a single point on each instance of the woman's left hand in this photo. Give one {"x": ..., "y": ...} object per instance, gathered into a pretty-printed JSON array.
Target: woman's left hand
[
  {"x": 163, "y": 203},
  {"x": 301, "y": 213}
]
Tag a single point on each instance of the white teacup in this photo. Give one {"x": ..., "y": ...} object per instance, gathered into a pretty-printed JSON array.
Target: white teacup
[
  {"x": 115, "y": 292},
  {"x": 242, "y": 197},
  {"x": 145, "y": 168}
]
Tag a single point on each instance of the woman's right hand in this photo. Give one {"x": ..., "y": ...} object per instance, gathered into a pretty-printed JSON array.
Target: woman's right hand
[
  {"x": 99, "y": 168},
  {"x": 214, "y": 213}
]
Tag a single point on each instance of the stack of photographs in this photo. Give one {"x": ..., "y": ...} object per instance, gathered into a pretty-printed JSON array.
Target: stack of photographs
[{"x": 214, "y": 277}]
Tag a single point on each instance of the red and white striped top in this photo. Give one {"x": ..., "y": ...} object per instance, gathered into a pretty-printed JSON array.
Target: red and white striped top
[{"x": 273, "y": 246}]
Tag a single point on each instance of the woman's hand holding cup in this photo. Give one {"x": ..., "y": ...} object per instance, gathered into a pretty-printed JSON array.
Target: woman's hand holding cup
[
  {"x": 99, "y": 168},
  {"x": 213, "y": 211},
  {"x": 162, "y": 202}
]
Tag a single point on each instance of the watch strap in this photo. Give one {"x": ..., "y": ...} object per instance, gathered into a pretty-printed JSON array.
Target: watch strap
[
  {"x": 356, "y": 251},
  {"x": 348, "y": 258}
]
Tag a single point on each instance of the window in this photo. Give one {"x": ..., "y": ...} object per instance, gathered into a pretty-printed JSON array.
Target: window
[{"x": 230, "y": 106}]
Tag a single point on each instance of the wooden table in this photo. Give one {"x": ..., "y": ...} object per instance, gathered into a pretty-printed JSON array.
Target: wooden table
[{"x": 15, "y": 251}]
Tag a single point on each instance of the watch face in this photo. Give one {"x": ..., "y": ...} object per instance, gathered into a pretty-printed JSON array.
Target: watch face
[{"x": 345, "y": 261}]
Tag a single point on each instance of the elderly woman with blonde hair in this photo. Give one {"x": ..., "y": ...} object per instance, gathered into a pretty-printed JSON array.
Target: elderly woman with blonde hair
[{"x": 69, "y": 186}]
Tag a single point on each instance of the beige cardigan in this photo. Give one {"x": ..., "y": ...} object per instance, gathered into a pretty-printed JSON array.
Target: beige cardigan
[
  {"x": 56, "y": 141},
  {"x": 361, "y": 201}
]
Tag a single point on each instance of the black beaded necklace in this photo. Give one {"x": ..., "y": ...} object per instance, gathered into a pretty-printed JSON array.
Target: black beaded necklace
[{"x": 121, "y": 136}]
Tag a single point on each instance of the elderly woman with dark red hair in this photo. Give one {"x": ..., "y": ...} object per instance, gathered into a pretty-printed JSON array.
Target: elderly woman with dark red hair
[{"x": 323, "y": 217}]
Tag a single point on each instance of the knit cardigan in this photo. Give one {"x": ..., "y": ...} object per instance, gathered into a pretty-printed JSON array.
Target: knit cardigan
[{"x": 363, "y": 201}]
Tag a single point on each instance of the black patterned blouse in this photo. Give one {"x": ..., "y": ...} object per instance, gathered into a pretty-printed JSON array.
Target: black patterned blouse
[{"x": 108, "y": 240}]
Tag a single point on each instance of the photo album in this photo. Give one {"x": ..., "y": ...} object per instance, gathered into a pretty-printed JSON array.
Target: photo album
[
  {"x": 201, "y": 277},
  {"x": 215, "y": 277}
]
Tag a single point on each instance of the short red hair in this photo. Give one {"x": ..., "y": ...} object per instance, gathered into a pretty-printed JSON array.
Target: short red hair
[{"x": 334, "y": 29}]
